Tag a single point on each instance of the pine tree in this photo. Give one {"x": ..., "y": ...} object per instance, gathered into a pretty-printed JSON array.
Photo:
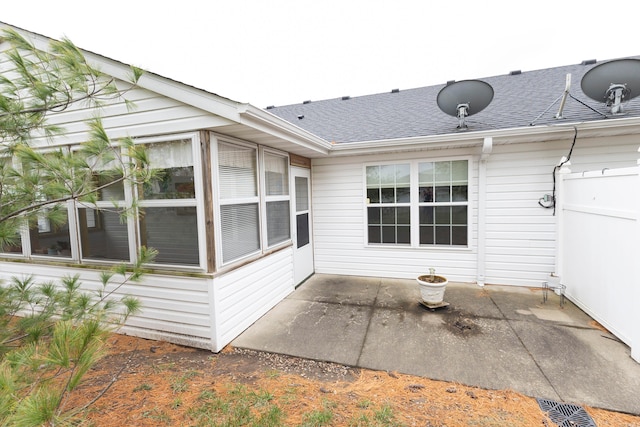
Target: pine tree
[{"x": 51, "y": 334}]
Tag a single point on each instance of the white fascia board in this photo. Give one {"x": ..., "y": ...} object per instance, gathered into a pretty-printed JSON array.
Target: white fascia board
[
  {"x": 264, "y": 121},
  {"x": 608, "y": 127}
]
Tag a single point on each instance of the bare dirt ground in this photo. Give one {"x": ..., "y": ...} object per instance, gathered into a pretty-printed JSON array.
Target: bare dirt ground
[{"x": 153, "y": 383}]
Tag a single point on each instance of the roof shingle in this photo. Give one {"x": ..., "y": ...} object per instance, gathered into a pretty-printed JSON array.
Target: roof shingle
[{"x": 520, "y": 99}]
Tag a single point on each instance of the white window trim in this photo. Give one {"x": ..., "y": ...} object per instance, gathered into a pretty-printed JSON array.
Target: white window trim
[
  {"x": 261, "y": 199},
  {"x": 197, "y": 202},
  {"x": 415, "y": 206},
  {"x": 132, "y": 226},
  {"x": 279, "y": 198},
  {"x": 218, "y": 202}
]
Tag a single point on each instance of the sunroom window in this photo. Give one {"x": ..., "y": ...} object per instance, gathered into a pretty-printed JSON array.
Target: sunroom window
[
  {"x": 276, "y": 177},
  {"x": 169, "y": 219},
  {"x": 103, "y": 226},
  {"x": 107, "y": 229},
  {"x": 253, "y": 193},
  {"x": 239, "y": 202}
]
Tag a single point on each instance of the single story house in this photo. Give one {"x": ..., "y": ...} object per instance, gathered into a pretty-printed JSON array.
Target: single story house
[{"x": 387, "y": 185}]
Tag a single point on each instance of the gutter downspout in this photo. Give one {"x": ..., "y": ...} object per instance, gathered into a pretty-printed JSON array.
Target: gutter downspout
[{"x": 487, "y": 148}]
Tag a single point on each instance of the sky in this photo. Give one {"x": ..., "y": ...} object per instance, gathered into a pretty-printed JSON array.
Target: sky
[{"x": 280, "y": 52}]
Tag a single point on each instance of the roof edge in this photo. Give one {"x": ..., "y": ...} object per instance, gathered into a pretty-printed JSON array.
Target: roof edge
[
  {"x": 608, "y": 127},
  {"x": 265, "y": 121}
]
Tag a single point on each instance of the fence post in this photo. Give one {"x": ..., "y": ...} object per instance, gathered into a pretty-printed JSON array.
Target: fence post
[
  {"x": 559, "y": 210},
  {"x": 635, "y": 338}
]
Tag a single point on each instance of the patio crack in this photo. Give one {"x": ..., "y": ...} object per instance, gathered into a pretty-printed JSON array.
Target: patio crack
[
  {"x": 544, "y": 375},
  {"x": 366, "y": 331}
]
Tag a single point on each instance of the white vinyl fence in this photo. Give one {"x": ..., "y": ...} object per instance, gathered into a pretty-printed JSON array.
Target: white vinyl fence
[{"x": 598, "y": 256}]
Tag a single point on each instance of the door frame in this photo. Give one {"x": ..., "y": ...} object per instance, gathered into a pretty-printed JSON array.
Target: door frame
[{"x": 303, "y": 258}]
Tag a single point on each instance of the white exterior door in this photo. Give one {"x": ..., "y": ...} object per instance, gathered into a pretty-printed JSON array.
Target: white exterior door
[{"x": 302, "y": 233}]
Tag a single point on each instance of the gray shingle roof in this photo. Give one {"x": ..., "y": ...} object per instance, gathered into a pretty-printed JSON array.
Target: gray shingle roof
[{"x": 519, "y": 100}]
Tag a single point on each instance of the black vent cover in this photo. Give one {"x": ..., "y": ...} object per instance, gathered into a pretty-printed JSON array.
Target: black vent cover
[{"x": 566, "y": 415}]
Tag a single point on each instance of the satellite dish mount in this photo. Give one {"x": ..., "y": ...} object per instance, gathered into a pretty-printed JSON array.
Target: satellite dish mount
[
  {"x": 464, "y": 98},
  {"x": 615, "y": 95},
  {"x": 463, "y": 111}
]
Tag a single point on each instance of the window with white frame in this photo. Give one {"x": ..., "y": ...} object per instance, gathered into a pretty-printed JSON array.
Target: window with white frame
[
  {"x": 103, "y": 226},
  {"x": 254, "y": 199},
  {"x": 443, "y": 197},
  {"x": 276, "y": 179},
  {"x": 418, "y": 203},
  {"x": 169, "y": 215},
  {"x": 389, "y": 210},
  {"x": 239, "y": 201},
  {"x": 169, "y": 220}
]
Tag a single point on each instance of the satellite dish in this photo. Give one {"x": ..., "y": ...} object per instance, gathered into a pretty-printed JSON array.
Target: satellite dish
[
  {"x": 464, "y": 98},
  {"x": 613, "y": 82}
]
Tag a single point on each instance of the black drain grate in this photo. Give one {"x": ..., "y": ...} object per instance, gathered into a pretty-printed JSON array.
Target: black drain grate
[{"x": 566, "y": 415}]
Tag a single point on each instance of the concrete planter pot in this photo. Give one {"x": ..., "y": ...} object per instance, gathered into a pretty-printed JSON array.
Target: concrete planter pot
[{"x": 432, "y": 289}]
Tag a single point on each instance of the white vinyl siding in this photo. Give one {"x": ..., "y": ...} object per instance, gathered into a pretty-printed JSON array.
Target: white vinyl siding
[
  {"x": 245, "y": 294},
  {"x": 340, "y": 224},
  {"x": 520, "y": 239},
  {"x": 174, "y": 309}
]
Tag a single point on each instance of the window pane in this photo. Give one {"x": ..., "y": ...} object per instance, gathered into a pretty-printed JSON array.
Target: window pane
[
  {"x": 388, "y": 215},
  {"x": 459, "y": 235},
  {"x": 237, "y": 168},
  {"x": 276, "y": 173},
  {"x": 426, "y": 194},
  {"x": 403, "y": 174},
  {"x": 459, "y": 215},
  {"x": 443, "y": 215},
  {"x": 240, "y": 230},
  {"x": 51, "y": 236},
  {"x": 459, "y": 193},
  {"x": 389, "y": 234},
  {"x": 12, "y": 245},
  {"x": 426, "y": 215},
  {"x": 375, "y": 215},
  {"x": 171, "y": 183},
  {"x": 173, "y": 163},
  {"x": 403, "y": 215},
  {"x": 459, "y": 171},
  {"x": 426, "y": 235},
  {"x": 111, "y": 188},
  {"x": 103, "y": 235},
  {"x": 403, "y": 195},
  {"x": 404, "y": 234},
  {"x": 173, "y": 231},
  {"x": 375, "y": 235},
  {"x": 388, "y": 176},
  {"x": 425, "y": 173},
  {"x": 302, "y": 194},
  {"x": 388, "y": 195},
  {"x": 443, "y": 235},
  {"x": 373, "y": 194},
  {"x": 443, "y": 194},
  {"x": 302, "y": 228},
  {"x": 373, "y": 176},
  {"x": 443, "y": 172},
  {"x": 278, "y": 222}
]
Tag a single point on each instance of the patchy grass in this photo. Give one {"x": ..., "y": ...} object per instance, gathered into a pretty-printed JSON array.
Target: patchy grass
[{"x": 173, "y": 385}]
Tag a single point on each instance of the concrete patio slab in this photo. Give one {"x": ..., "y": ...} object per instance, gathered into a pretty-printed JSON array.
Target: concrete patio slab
[{"x": 494, "y": 337}]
